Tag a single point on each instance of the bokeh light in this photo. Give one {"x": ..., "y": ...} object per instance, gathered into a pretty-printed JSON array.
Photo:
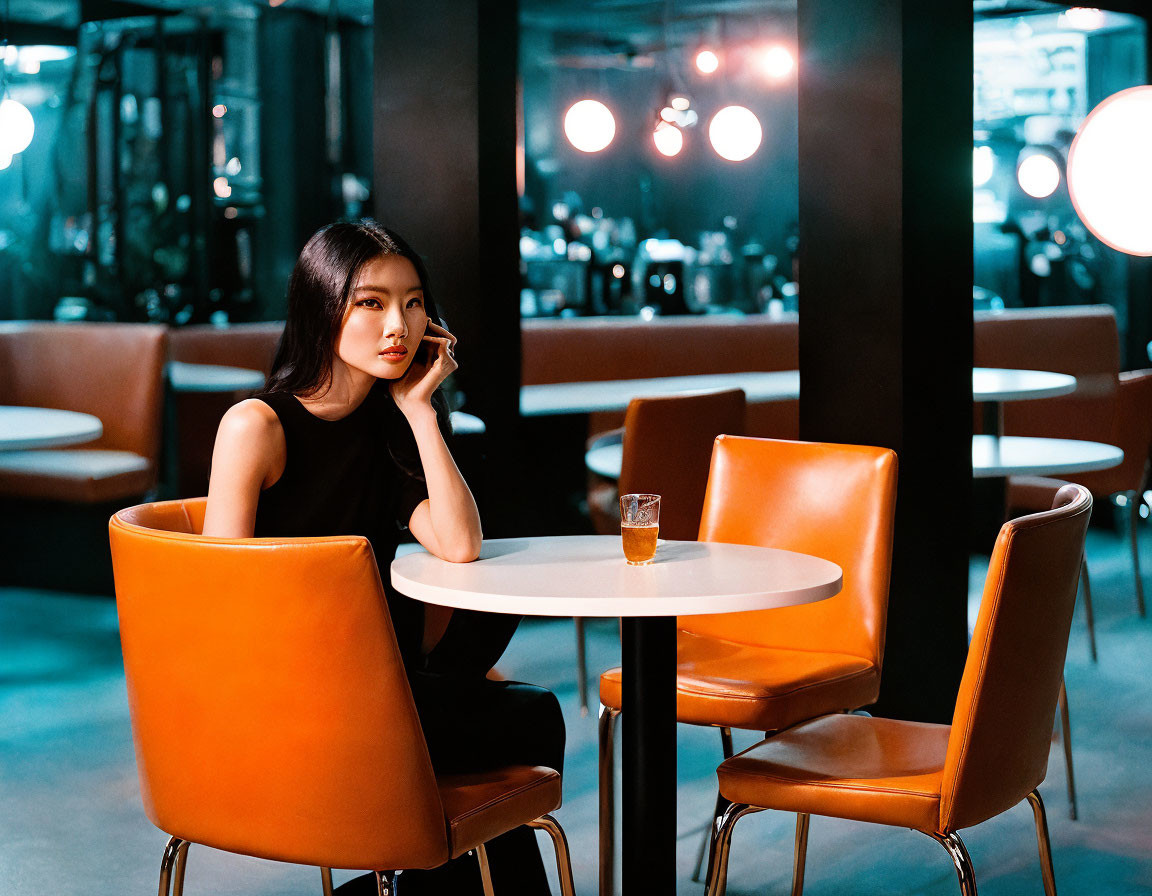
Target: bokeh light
[
  {"x": 16, "y": 127},
  {"x": 777, "y": 62},
  {"x": 983, "y": 165},
  {"x": 668, "y": 139},
  {"x": 1110, "y": 171},
  {"x": 589, "y": 125},
  {"x": 707, "y": 62},
  {"x": 1039, "y": 175},
  {"x": 735, "y": 133}
]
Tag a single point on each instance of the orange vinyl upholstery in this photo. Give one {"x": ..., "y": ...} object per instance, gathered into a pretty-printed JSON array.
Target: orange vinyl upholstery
[
  {"x": 270, "y": 709},
  {"x": 939, "y": 778},
  {"x": 769, "y": 669},
  {"x": 556, "y": 351},
  {"x": 112, "y": 371}
]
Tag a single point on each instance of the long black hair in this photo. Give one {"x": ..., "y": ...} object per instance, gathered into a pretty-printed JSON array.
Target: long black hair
[{"x": 318, "y": 294}]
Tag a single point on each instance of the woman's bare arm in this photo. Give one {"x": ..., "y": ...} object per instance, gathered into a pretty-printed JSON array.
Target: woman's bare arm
[{"x": 248, "y": 456}]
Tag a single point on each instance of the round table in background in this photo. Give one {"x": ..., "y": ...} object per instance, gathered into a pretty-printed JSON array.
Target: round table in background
[
  {"x": 23, "y": 427},
  {"x": 186, "y": 377},
  {"x": 586, "y": 575}
]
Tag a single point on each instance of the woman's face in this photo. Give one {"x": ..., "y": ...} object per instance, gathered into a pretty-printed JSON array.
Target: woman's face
[{"x": 385, "y": 318}]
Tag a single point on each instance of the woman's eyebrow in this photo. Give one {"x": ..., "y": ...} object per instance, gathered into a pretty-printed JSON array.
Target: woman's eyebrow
[{"x": 385, "y": 289}]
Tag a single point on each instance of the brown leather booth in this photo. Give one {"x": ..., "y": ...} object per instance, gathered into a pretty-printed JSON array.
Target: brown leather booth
[
  {"x": 197, "y": 415},
  {"x": 615, "y": 348}
]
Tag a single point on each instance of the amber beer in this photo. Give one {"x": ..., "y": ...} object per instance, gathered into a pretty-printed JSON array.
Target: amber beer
[{"x": 639, "y": 543}]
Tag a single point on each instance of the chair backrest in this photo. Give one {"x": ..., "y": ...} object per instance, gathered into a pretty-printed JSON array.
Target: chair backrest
[
  {"x": 270, "y": 710},
  {"x": 667, "y": 450},
  {"x": 834, "y": 501},
  {"x": 1002, "y": 727},
  {"x": 1081, "y": 340},
  {"x": 112, "y": 371},
  {"x": 251, "y": 345},
  {"x": 1131, "y": 432}
]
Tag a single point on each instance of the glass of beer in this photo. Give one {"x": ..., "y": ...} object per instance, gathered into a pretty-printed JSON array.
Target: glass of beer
[{"x": 639, "y": 527}]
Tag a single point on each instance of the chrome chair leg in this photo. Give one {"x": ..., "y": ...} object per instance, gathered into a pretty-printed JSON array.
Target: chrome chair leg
[
  {"x": 385, "y": 883},
  {"x": 1066, "y": 741},
  {"x": 326, "y": 881},
  {"x": 800, "y": 854},
  {"x": 721, "y": 804},
  {"x": 581, "y": 666},
  {"x": 1133, "y": 519},
  {"x": 960, "y": 858},
  {"x": 485, "y": 872},
  {"x": 563, "y": 857},
  {"x": 607, "y": 801},
  {"x": 1088, "y": 617},
  {"x": 721, "y": 843},
  {"x": 1043, "y": 843},
  {"x": 171, "y": 860},
  {"x": 181, "y": 867}
]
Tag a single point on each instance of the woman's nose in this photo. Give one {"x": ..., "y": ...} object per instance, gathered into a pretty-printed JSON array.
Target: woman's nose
[{"x": 394, "y": 324}]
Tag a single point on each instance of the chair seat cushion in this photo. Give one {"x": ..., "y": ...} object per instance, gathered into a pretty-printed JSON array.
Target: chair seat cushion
[
  {"x": 734, "y": 685},
  {"x": 81, "y": 475},
  {"x": 878, "y": 770},
  {"x": 483, "y": 805},
  {"x": 1032, "y": 494}
]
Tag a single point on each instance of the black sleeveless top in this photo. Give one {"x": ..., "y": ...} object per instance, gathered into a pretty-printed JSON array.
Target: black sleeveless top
[{"x": 341, "y": 479}]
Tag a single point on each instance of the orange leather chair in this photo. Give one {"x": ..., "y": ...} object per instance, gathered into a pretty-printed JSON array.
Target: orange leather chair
[
  {"x": 667, "y": 446},
  {"x": 939, "y": 779},
  {"x": 271, "y": 713},
  {"x": 769, "y": 669}
]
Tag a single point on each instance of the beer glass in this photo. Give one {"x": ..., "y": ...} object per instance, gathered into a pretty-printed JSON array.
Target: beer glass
[{"x": 639, "y": 527}]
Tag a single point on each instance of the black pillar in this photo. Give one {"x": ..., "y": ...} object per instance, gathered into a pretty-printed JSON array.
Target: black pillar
[
  {"x": 444, "y": 135},
  {"x": 885, "y": 111}
]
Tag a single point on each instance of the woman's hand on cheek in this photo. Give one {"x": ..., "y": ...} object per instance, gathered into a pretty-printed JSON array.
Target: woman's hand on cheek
[{"x": 414, "y": 390}]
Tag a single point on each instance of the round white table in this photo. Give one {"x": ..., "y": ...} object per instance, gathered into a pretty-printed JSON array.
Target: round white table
[
  {"x": 989, "y": 384},
  {"x": 24, "y": 427},
  {"x": 186, "y": 377},
  {"x": 467, "y": 424},
  {"x": 585, "y": 575},
  {"x": 992, "y": 457}
]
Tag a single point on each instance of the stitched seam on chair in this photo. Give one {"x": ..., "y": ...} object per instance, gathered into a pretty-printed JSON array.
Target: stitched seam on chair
[
  {"x": 854, "y": 656},
  {"x": 862, "y": 788},
  {"x": 797, "y": 690},
  {"x": 507, "y": 795}
]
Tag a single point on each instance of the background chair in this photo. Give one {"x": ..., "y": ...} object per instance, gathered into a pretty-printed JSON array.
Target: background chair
[
  {"x": 267, "y": 695},
  {"x": 667, "y": 446},
  {"x": 114, "y": 372},
  {"x": 768, "y": 670},
  {"x": 939, "y": 779}
]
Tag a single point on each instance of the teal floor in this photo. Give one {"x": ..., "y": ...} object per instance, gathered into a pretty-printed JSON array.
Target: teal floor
[{"x": 71, "y": 822}]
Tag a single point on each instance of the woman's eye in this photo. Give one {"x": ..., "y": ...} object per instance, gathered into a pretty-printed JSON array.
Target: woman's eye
[
  {"x": 415, "y": 302},
  {"x": 369, "y": 303}
]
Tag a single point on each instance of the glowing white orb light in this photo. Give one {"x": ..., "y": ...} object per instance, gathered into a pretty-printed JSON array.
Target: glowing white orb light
[
  {"x": 589, "y": 125},
  {"x": 777, "y": 63},
  {"x": 983, "y": 165},
  {"x": 1110, "y": 171},
  {"x": 1039, "y": 175},
  {"x": 16, "y": 127},
  {"x": 5, "y": 159},
  {"x": 668, "y": 139},
  {"x": 735, "y": 133},
  {"x": 707, "y": 62}
]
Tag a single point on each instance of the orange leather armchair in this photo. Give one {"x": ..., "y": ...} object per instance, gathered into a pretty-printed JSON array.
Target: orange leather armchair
[
  {"x": 939, "y": 779},
  {"x": 267, "y": 696},
  {"x": 768, "y": 670}
]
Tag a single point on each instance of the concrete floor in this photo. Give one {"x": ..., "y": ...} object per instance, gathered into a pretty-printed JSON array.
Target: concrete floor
[{"x": 71, "y": 822}]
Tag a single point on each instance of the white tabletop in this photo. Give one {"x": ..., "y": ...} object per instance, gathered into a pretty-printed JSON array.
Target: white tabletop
[
  {"x": 1023, "y": 456},
  {"x": 185, "y": 377},
  {"x": 22, "y": 427},
  {"x": 991, "y": 457},
  {"x": 586, "y": 575},
  {"x": 998, "y": 384},
  {"x": 466, "y": 424},
  {"x": 614, "y": 395},
  {"x": 988, "y": 384}
]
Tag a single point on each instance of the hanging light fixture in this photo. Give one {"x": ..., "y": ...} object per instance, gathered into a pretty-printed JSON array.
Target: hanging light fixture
[
  {"x": 1038, "y": 171},
  {"x": 735, "y": 133},
  {"x": 1110, "y": 171},
  {"x": 589, "y": 125}
]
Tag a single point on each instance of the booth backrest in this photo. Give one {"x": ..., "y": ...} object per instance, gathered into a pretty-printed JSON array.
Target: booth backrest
[
  {"x": 1079, "y": 340},
  {"x": 615, "y": 348},
  {"x": 233, "y": 345},
  {"x": 114, "y": 371}
]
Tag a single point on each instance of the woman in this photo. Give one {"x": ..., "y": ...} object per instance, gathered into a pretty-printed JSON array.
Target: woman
[{"x": 348, "y": 439}]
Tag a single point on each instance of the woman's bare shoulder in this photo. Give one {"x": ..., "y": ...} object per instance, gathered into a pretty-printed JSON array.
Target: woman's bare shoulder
[
  {"x": 251, "y": 418},
  {"x": 250, "y": 438}
]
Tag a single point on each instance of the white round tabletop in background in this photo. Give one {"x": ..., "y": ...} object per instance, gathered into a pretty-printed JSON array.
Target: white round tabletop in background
[
  {"x": 185, "y": 377},
  {"x": 466, "y": 424},
  {"x": 586, "y": 575},
  {"x": 1023, "y": 456},
  {"x": 614, "y": 395},
  {"x": 999, "y": 384},
  {"x": 23, "y": 427}
]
